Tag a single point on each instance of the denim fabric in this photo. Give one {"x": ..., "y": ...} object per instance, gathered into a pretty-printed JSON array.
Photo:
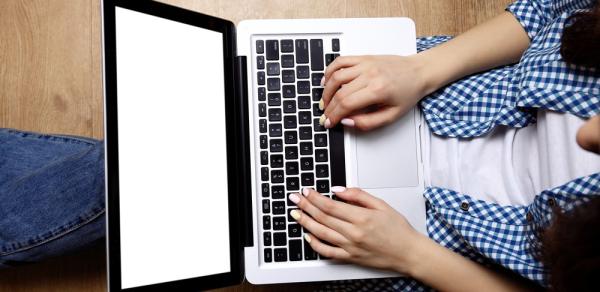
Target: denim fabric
[{"x": 51, "y": 195}]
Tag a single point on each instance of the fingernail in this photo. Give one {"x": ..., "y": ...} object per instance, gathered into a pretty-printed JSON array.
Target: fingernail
[
  {"x": 294, "y": 198},
  {"x": 322, "y": 119},
  {"x": 321, "y": 104},
  {"x": 327, "y": 123},
  {"x": 347, "y": 122},
  {"x": 307, "y": 238},
  {"x": 305, "y": 191},
  {"x": 295, "y": 214},
  {"x": 323, "y": 81},
  {"x": 337, "y": 189}
]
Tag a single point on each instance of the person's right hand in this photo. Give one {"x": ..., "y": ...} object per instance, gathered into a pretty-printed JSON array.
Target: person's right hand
[{"x": 367, "y": 92}]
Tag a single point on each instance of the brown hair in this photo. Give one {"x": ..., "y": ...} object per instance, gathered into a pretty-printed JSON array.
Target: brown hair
[
  {"x": 580, "y": 42},
  {"x": 571, "y": 249}
]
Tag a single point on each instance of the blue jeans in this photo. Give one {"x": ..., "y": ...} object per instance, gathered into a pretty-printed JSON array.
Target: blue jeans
[{"x": 51, "y": 195}]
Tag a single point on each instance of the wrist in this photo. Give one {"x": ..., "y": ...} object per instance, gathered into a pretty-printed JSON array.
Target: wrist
[{"x": 415, "y": 256}]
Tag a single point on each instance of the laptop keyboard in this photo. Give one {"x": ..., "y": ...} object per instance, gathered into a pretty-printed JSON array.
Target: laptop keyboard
[{"x": 294, "y": 148}]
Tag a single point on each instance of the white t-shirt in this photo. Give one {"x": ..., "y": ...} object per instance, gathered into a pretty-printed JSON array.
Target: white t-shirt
[{"x": 510, "y": 166}]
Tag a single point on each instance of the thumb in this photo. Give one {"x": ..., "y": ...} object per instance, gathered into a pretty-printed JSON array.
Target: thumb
[{"x": 372, "y": 120}]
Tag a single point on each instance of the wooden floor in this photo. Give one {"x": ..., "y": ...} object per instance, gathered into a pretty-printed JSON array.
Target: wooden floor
[{"x": 50, "y": 81}]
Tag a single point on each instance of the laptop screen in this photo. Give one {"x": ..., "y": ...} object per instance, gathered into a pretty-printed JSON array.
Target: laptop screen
[{"x": 172, "y": 150}]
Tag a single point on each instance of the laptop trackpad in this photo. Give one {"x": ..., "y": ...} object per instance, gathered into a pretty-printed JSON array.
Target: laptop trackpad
[{"x": 387, "y": 157}]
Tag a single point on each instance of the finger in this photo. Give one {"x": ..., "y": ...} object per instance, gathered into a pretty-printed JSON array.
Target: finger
[
  {"x": 348, "y": 89},
  {"x": 336, "y": 80},
  {"x": 326, "y": 250},
  {"x": 342, "y": 106},
  {"x": 321, "y": 217},
  {"x": 318, "y": 229},
  {"x": 372, "y": 120},
  {"x": 337, "y": 209},
  {"x": 362, "y": 198},
  {"x": 339, "y": 63}
]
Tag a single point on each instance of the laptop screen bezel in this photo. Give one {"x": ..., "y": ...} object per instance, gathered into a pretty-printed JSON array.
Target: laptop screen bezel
[{"x": 234, "y": 144}]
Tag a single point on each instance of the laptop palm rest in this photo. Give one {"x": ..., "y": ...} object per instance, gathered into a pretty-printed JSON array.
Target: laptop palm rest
[{"x": 387, "y": 157}]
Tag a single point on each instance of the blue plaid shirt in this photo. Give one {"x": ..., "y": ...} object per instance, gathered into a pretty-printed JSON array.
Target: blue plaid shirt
[{"x": 489, "y": 233}]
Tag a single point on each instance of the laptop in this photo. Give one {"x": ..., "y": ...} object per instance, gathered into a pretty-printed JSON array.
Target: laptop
[{"x": 209, "y": 127}]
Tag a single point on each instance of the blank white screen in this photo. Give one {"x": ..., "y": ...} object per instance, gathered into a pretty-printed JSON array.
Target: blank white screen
[{"x": 172, "y": 150}]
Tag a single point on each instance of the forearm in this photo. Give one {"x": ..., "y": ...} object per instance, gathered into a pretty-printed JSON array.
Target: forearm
[
  {"x": 499, "y": 41},
  {"x": 445, "y": 270}
]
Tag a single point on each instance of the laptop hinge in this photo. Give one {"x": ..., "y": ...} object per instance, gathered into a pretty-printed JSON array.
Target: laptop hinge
[{"x": 245, "y": 190}]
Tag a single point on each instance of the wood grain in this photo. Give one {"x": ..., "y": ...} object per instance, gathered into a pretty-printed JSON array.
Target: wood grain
[{"x": 50, "y": 81}]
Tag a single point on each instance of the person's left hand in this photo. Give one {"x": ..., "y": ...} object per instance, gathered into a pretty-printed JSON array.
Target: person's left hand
[{"x": 365, "y": 230}]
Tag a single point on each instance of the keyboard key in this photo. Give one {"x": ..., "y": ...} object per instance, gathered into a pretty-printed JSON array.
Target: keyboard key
[
  {"x": 302, "y": 72},
  {"x": 308, "y": 179},
  {"x": 278, "y": 207},
  {"x": 267, "y": 238},
  {"x": 275, "y": 130},
  {"x": 287, "y": 61},
  {"x": 321, "y": 140},
  {"x": 281, "y": 255},
  {"x": 264, "y": 157},
  {"x": 266, "y": 206},
  {"x": 264, "y": 173},
  {"x": 295, "y": 248},
  {"x": 309, "y": 253},
  {"x": 260, "y": 77},
  {"x": 291, "y": 137},
  {"x": 262, "y": 126},
  {"x": 292, "y": 183},
  {"x": 291, "y": 152},
  {"x": 316, "y": 79},
  {"x": 266, "y": 222},
  {"x": 276, "y": 176},
  {"x": 321, "y": 155},
  {"x": 316, "y": 111},
  {"x": 262, "y": 110},
  {"x": 294, "y": 230},
  {"x": 317, "y": 126},
  {"x": 317, "y": 93},
  {"x": 276, "y": 161},
  {"x": 260, "y": 46},
  {"x": 304, "y": 117},
  {"x": 287, "y": 46},
  {"x": 265, "y": 188},
  {"x": 329, "y": 58},
  {"x": 322, "y": 170},
  {"x": 316, "y": 55},
  {"x": 303, "y": 87},
  {"x": 304, "y": 102},
  {"x": 279, "y": 224},
  {"x": 323, "y": 186},
  {"x": 306, "y": 148},
  {"x": 260, "y": 62},
  {"x": 305, "y": 133},
  {"x": 268, "y": 255},
  {"x": 263, "y": 141},
  {"x": 335, "y": 45},
  {"x": 276, "y": 145},
  {"x": 289, "y": 122},
  {"x": 262, "y": 94},
  {"x": 288, "y": 76},
  {"x": 274, "y": 115},
  {"x": 272, "y": 69},
  {"x": 273, "y": 84},
  {"x": 289, "y": 107},
  {"x": 289, "y": 91},
  {"x": 302, "y": 51},
  {"x": 272, "y": 49},
  {"x": 306, "y": 163},
  {"x": 277, "y": 192},
  {"x": 291, "y": 168},
  {"x": 274, "y": 99}
]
